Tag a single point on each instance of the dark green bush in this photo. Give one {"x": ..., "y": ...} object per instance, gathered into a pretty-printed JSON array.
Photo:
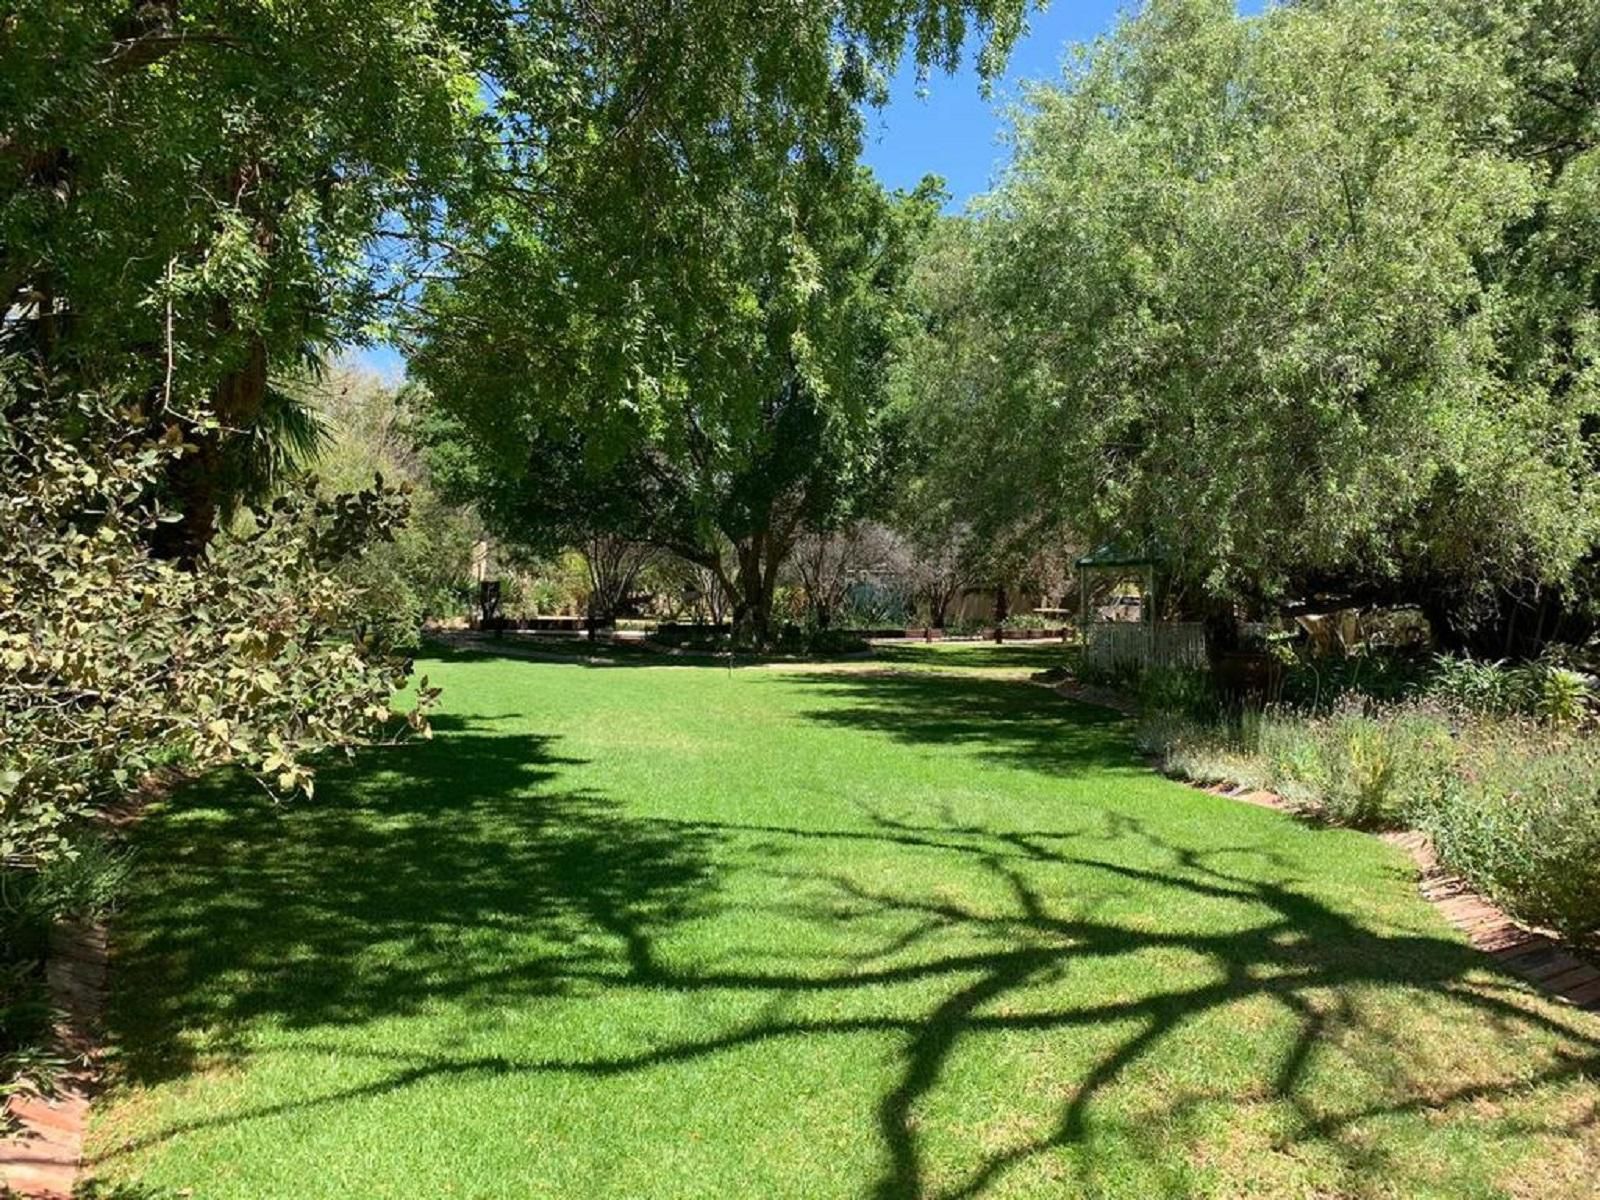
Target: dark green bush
[
  {"x": 1179, "y": 690},
  {"x": 1124, "y": 674},
  {"x": 835, "y": 641},
  {"x": 1319, "y": 683},
  {"x": 1546, "y": 689}
]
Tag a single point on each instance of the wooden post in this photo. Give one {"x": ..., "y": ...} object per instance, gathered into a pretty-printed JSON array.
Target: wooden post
[
  {"x": 1147, "y": 608},
  {"x": 1083, "y": 612}
]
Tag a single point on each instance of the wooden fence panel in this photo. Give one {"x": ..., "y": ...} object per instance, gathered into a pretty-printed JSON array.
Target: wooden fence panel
[{"x": 1114, "y": 644}]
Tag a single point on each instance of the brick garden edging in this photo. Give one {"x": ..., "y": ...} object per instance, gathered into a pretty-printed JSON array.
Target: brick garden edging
[
  {"x": 40, "y": 1161},
  {"x": 1535, "y": 955},
  {"x": 1530, "y": 953}
]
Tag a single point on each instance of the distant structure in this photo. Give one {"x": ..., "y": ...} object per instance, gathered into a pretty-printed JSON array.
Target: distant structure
[{"x": 1129, "y": 631}]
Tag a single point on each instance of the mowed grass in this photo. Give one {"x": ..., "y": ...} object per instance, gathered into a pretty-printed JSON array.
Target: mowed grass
[{"x": 841, "y": 931}]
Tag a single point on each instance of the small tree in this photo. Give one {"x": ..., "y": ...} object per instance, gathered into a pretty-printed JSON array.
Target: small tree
[
  {"x": 937, "y": 571},
  {"x": 614, "y": 564},
  {"x": 827, "y": 564}
]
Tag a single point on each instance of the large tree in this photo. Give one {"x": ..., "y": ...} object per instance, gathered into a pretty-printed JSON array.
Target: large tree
[
  {"x": 675, "y": 295},
  {"x": 771, "y": 327},
  {"x": 1309, "y": 296},
  {"x": 191, "y": 192}
]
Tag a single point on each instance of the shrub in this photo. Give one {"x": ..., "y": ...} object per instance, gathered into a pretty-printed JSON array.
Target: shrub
[
  {"x": 1360, "y": 770},
  {"x": 1178, "y": 690},
  {"x": 1471, "y": 685},
  {"x": 1293, "y": 757},
  {"x": 869, "y": 606},
  {"x": 25, "y": 1064},
  {"x": 1522, "y": 823},
  {"x": 1027, "y": 621},
  {"x": 1556, "y": 694},
  {"x": 1205, "y": 752},
  {"x": 1545, "y": 690},
  {"x": 84, "y": 884},
  {"x": 1512, "y": 802},
  {"x": 834, "y": 641},
  {"x": 1364, "y": 769},
  {"x": 112, "y": 660},
  {"x": 1320, "y": 683},
  {"x": 1381, "y": 769},
  {"x": 1123, "y": 673},
  {"x": 1212, "y": 761}
]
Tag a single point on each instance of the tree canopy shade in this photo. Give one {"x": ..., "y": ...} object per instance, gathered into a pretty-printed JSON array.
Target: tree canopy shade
[{"x": 1309, "y": 296}]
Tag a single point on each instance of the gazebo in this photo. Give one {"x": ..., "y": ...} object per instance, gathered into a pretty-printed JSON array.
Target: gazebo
[{"x": 1150, "y": 639}]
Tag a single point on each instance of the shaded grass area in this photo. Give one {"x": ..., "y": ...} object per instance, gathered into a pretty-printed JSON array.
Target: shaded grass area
[
  {"x": 911, "y": 654},
  {"x": 1034, "y": 655},
  {"x": 831, "y": 933}
]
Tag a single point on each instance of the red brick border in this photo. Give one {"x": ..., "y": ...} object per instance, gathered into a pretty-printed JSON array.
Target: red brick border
[
  {"x": 40, "y": 1162},
  {"x": 1535, "y": 955}
]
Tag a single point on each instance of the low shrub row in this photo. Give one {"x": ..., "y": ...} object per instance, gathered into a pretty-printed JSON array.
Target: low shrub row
[
  {"x": 791, "y": 639},
  {"x": 1548, "y": 689},
  {"x": 1512, "y": 801}
]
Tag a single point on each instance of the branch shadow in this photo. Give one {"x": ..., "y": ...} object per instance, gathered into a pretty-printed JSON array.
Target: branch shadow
[
  {"x": 436, "y": 851},
  {"x": 1023, "y": 727},
  {"x": 411, "y": 861}
]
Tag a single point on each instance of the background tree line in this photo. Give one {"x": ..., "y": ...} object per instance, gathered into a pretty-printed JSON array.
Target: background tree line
[{"x": 1308, "y": 299}]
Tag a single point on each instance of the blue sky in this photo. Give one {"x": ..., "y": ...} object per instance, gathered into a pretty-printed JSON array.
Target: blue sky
[
  {"x": 949, "y": 129},
  {"x": 945, "y": 127}
]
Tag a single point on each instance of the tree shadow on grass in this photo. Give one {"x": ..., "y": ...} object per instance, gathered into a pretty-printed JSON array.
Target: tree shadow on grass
[
  {"x": 1005, "y": 721},
  {"x": 377, "y": 896},
  {"x": 965, "y": 656},
  {"x": 472, "y": 836},
  {"x": 609, "y": 656},
  {"x": 1034, "y": 655}
]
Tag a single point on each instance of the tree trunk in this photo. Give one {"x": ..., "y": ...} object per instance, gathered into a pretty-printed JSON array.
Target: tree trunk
[
  {"x": 753, "y": 586},
  {"x": 199, "y": 481}
]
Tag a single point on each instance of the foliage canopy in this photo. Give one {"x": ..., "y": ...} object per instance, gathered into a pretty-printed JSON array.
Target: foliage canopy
[{"x": 1309, "y": 296}]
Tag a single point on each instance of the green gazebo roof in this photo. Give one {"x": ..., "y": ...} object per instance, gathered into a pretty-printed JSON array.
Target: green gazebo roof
[{"x": 1124, "y": 552}]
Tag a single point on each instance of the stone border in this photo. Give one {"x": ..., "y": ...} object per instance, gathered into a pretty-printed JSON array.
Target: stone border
[
  {"x": 40, "y": 1161},
  {"x": 1535, "y": 955}
]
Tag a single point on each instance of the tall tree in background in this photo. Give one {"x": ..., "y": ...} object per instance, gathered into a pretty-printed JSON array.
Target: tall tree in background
[
  {"x": 768, "y": 384},
  {"x": 1310, "y": 296},
  {"x": 669, "y": 318}
]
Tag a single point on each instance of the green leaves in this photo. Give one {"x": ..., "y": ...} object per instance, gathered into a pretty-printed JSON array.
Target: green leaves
[
  {"x": 112, "y": 661},
  {"x": 732, "y": 392},
  {"x": 1289, "y": 293}
]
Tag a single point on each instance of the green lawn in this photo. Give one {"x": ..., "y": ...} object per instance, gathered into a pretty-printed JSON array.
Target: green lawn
[{"x": 661, "y": 931}]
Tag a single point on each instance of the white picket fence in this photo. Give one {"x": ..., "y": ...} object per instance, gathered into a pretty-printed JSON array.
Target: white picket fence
[{"x": 1112, "y": 644}]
